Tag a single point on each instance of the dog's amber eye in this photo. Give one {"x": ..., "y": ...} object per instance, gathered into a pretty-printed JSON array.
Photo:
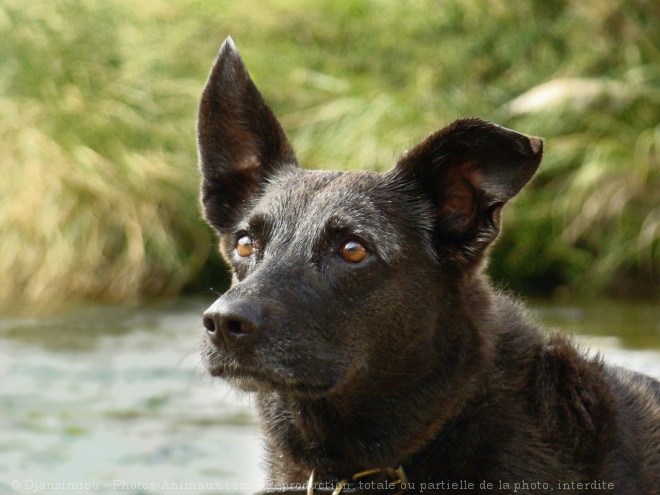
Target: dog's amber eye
[
  {"x": 353, "y": 252},
  {"x": 244, "y": 246}
]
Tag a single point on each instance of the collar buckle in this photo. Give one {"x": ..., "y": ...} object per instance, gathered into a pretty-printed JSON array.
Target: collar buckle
[{"x": 396, "y": 477}]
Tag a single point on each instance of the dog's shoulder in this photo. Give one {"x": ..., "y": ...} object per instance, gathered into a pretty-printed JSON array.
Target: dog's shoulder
[
  {"x": 638, "y": 416},
  {"x": 579, "y": 405},
  {"x": 565, "y": 388}
]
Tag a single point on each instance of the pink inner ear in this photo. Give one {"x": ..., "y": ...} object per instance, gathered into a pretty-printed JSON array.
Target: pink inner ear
[{"x": 458, "y": 204}]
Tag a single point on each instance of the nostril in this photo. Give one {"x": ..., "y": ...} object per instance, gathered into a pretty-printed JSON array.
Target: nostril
[
  {"x": 209, "y": 324},
  {"x": 230, "y": 320},
  {"x": 234, "y": 327}
]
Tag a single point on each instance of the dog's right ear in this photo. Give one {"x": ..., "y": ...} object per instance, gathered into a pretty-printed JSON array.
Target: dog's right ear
[{"x": 240, "y": 142}]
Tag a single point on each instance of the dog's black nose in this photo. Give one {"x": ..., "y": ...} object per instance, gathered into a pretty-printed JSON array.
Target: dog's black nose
[{"x": 228, "y": 319}]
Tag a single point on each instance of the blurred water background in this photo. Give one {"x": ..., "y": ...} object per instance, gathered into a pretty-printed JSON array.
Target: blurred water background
[
  {"x": 115, "y": 399},
  {"x": 99, "y": 218}
]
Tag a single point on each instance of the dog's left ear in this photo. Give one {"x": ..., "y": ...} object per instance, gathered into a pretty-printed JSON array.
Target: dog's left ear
[
  {"x": 239, "y": 139},
  {"x": 469, "y": 170}
]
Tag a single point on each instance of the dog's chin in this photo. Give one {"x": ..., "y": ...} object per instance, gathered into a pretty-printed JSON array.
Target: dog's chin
[
  {"x": 251, "y": 381},
  {"x": 246, "y": 383}
]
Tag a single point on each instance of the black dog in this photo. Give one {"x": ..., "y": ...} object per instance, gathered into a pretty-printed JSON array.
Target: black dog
[{"x": 361, "y": 317}]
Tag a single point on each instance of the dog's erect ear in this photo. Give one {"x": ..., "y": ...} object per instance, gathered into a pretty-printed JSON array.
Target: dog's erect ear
[
  {"x": 239, "y": 139},
  {"x": 469, "y": 170}
]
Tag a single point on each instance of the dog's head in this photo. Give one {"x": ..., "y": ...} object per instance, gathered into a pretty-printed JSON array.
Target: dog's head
[{"x": 342, "y": 277}]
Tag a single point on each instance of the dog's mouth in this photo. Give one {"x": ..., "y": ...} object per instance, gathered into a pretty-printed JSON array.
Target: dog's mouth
[
  {"x": 254, "y": 366},
  {"x": 251, "y": 379}
]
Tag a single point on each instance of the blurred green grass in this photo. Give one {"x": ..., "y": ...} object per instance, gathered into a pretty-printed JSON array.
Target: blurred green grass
[{"x": 98, "y": 200}]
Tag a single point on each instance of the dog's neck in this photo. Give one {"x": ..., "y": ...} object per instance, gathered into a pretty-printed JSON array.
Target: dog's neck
[{"x": 350, "y": 432}]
